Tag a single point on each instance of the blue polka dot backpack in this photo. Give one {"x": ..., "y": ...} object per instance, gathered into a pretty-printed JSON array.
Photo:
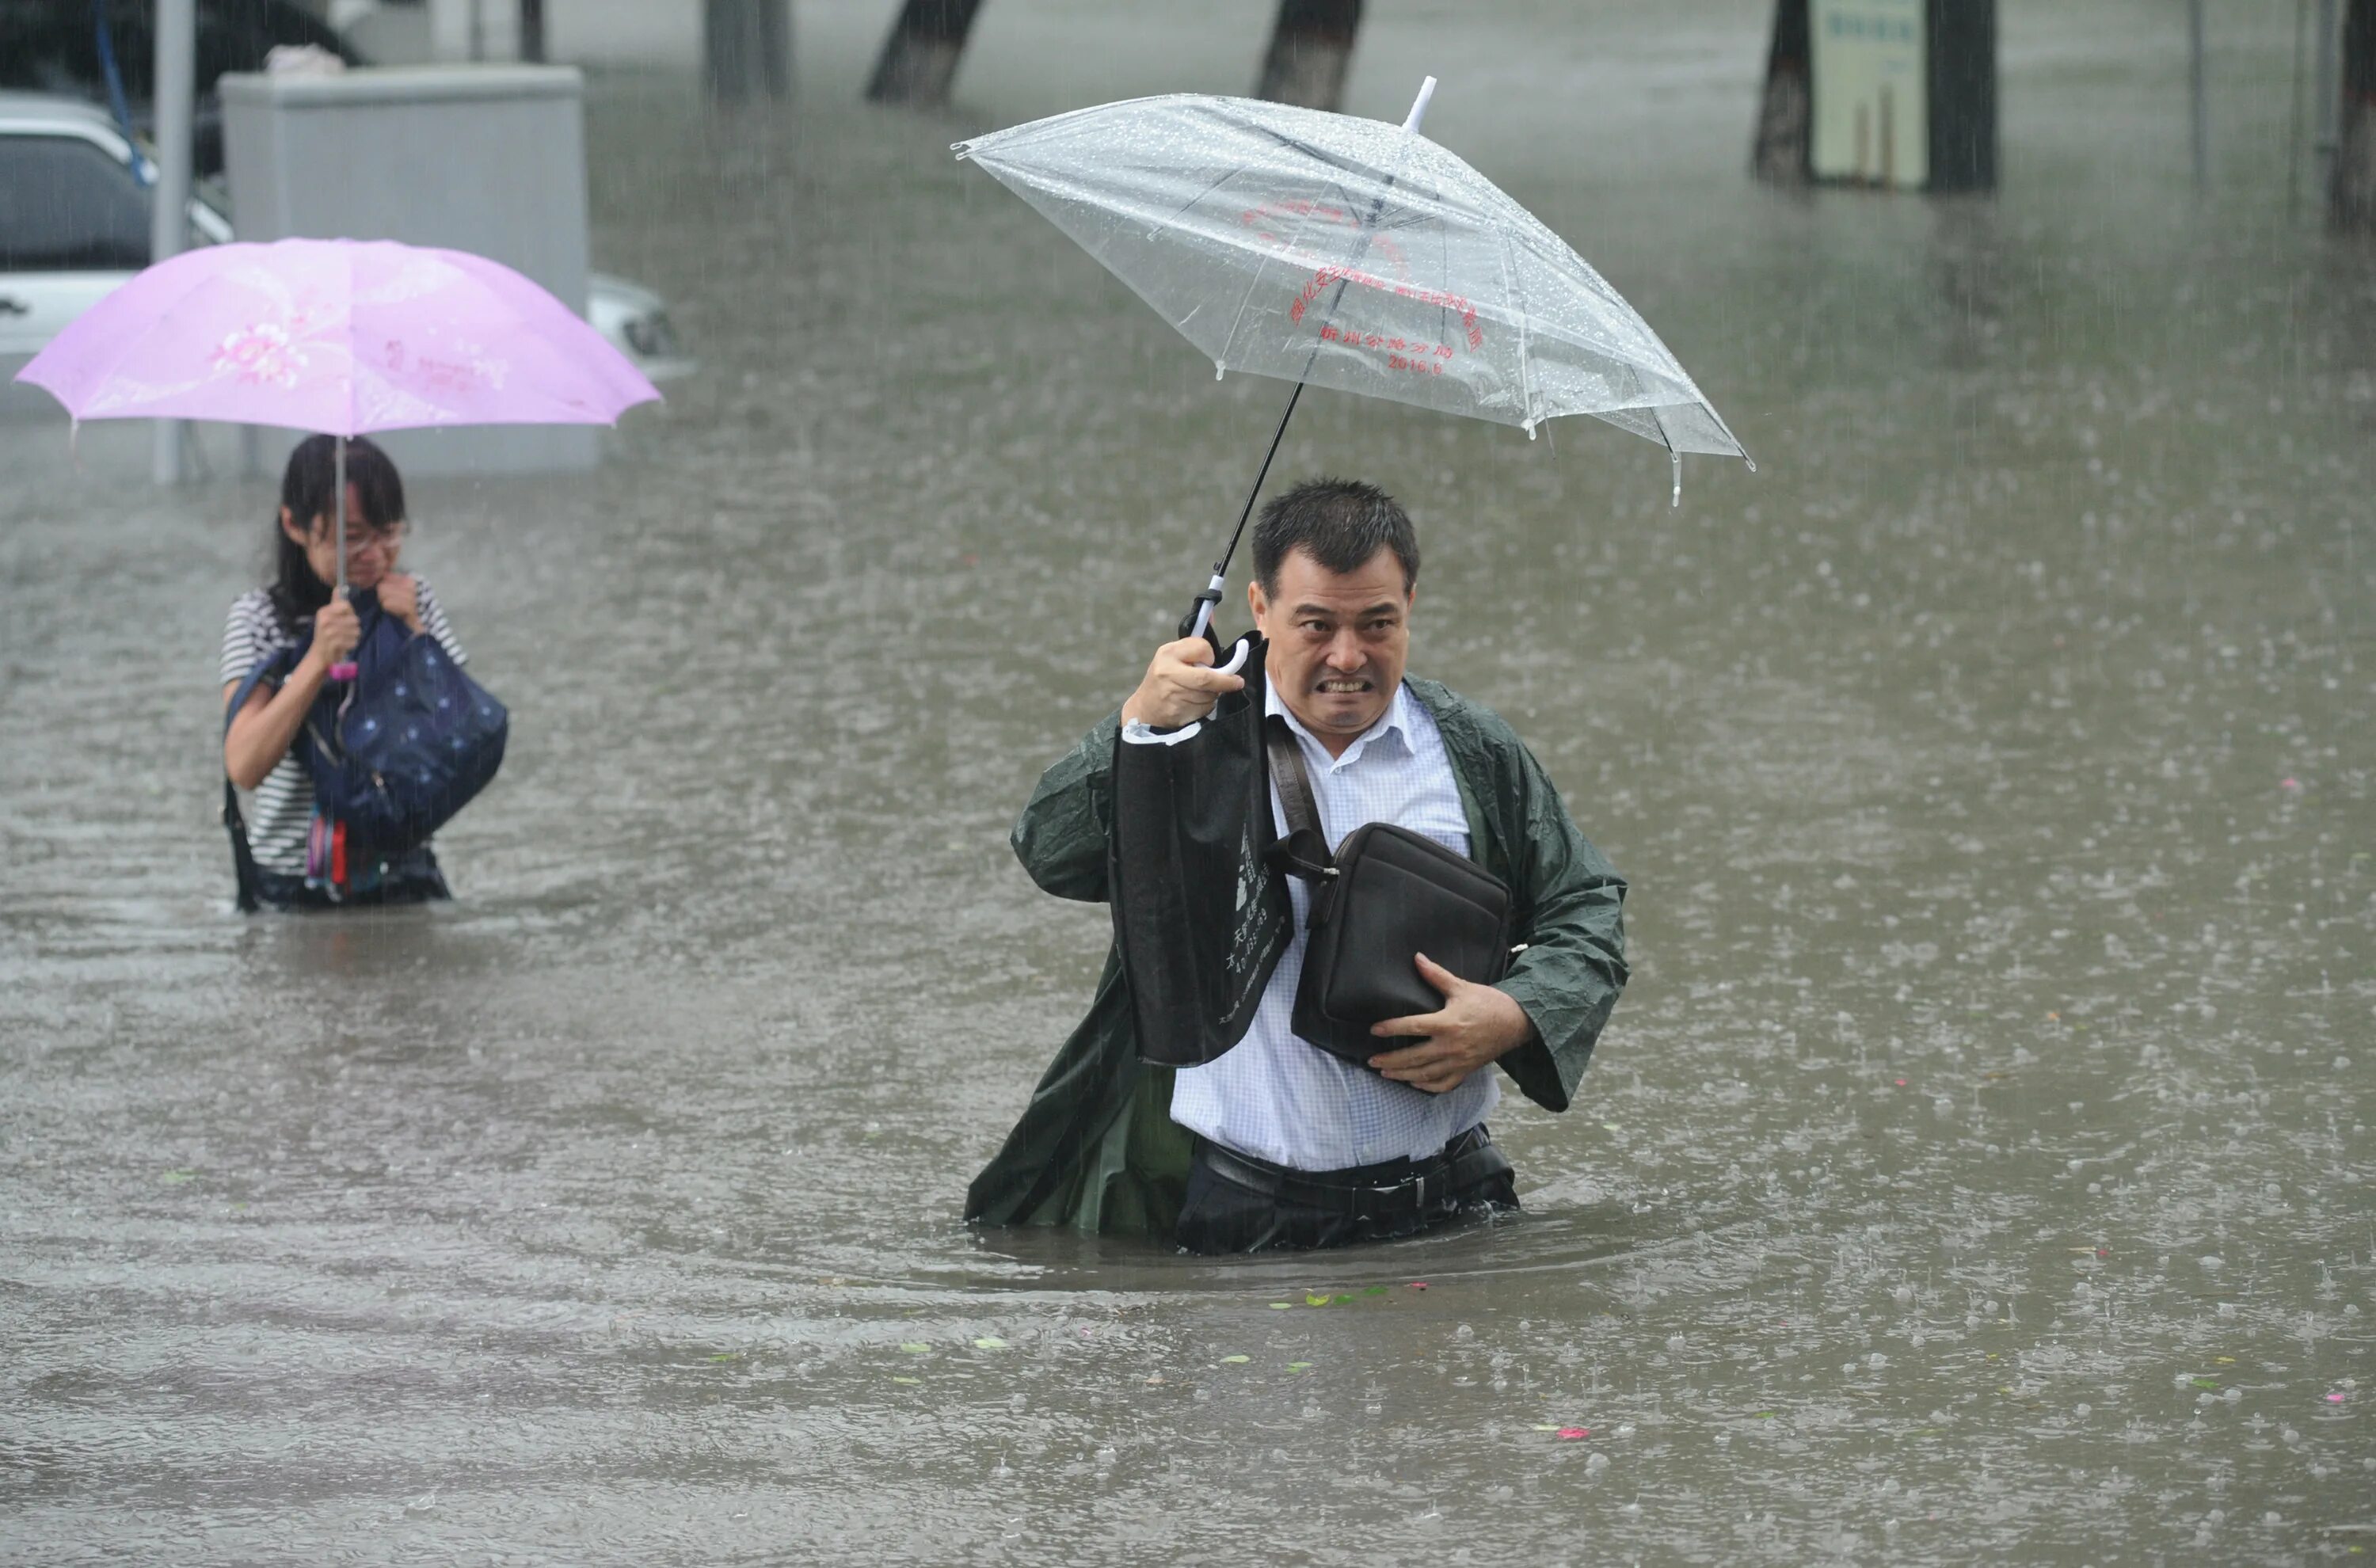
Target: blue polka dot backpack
[{"x": 393, "y": 753}]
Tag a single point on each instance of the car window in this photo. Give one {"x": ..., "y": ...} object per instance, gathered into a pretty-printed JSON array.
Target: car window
[{"x": 67, "y": 207}]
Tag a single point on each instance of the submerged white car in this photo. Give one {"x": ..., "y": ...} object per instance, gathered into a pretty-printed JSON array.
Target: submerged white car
[{"x": 74, "y": 224}]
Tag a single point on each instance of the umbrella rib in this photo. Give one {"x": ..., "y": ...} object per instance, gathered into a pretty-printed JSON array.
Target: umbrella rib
[{"x": 1510, "y": 291}]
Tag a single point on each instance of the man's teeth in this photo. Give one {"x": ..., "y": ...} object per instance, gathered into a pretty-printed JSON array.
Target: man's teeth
[{"x": 1344, "y": 686}]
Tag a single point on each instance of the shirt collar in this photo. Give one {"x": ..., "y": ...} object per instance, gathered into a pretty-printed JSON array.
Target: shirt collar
[{"x": 1389, "y": 736}]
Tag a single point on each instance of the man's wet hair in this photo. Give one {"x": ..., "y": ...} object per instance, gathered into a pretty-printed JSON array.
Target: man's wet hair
[{"x": 1341, "y": 523}]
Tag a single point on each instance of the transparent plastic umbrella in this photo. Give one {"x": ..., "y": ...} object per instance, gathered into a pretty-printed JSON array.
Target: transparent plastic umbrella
[{"x": 1340, "y": 252}]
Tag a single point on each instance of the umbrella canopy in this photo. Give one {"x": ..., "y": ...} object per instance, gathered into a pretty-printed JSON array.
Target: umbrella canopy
[
  {"x": 339, "y": 336},
  {"x": 1351, "y": 254}
]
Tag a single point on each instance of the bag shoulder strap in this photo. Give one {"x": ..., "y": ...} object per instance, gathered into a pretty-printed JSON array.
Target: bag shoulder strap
[
  {"x": 1304, "y": 851},
  {"x": 272, "y": 666}
]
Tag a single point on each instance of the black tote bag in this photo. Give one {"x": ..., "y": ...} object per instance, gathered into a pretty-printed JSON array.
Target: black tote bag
[{"x": 1199, "y": 918}]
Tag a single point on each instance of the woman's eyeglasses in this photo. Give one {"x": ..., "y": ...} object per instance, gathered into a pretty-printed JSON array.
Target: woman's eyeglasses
[{"x": 387, "y": 538}]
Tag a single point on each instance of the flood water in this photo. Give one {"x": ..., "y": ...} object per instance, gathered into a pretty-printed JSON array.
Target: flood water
[{"x": 1978, "y": 1168}]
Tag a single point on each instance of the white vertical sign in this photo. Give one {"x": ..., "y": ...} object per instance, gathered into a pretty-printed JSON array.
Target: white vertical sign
[{"x": 1873, "y": 112}]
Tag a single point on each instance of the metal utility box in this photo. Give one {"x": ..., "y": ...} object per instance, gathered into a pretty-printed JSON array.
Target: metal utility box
[{"x": 490, "y": 158}]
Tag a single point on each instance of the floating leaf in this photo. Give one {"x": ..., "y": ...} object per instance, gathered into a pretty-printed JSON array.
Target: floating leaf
[
  {"x": 727, "y": 1355},
  {"x": 1546, "y": 1426},
  {"x": 1375, "y": 1290},
  {"x": 1569, "y": 1434},
  {"x": 1282, "y": 1306},
  {"x": 1765, "y": 1415},
  {"x": 1315, "y": 1300},
  {"x": 916, "y": 1347},
  {"x": 1235, "y": 1360},
  {"x": 1342, "y": 1300},
  {"x": 1419, "y": 1285},
  {"x": 1299, "y": 1366},
  {"x": 989, "y": 1342},
  {"x": 176, "y": 1178},
  {"x": 911, "y": 1382}
]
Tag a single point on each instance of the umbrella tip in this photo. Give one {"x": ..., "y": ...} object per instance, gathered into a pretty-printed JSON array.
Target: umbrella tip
[{"x": 1219, "y": 370}]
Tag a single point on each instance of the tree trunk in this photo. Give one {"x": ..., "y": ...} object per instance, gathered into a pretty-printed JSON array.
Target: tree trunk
[
  {"x": 919, "y": 58},
  {"x": 1962, "y": 35},
  {"x": 747, "y": 49},
  {"x": 1783, "y": 151},
  {"x": 1311, "y": 47},
  {"x": 2351, "y": 203}
]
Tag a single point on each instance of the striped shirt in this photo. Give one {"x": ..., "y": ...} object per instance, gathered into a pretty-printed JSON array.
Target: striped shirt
[
  {"x": 1279, "y": 1098},
  {"x": 284, "y": 804}
]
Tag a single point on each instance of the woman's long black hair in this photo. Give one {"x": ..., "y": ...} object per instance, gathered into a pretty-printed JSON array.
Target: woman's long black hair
[{"x": 309, "y": 489}]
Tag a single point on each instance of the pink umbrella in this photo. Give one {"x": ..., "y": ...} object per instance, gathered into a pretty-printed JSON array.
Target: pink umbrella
[{"x": 340, "y": 336}]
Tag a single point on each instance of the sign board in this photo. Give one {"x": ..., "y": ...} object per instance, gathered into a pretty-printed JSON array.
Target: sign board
[{"x": 1867, "y": 61}]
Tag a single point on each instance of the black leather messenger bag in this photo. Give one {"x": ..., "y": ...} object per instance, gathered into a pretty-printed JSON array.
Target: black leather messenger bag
[{"x": 1387, "y": 895}]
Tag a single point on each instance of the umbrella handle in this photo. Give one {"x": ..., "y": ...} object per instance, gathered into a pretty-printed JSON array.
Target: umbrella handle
[{"x": 1198, "y": 621}]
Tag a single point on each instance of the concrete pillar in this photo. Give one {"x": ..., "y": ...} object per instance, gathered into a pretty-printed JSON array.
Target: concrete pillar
[
  {"x": 1779, "y": 154},
  {"x": 2351, "y": 200},
  {"x": 168, "y": 212},
  {"x": 1311, "y": 49},
  {"x": 747, "y": 49},
  {"x": 1963, "y": 92},
  {"x": 920, "y": 59}
]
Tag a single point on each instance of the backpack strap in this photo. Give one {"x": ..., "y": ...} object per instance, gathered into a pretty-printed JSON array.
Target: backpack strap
[{"x": 275, "y": 668}]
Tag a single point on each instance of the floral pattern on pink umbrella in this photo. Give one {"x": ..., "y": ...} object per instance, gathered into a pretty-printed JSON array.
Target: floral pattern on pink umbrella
[{"x": 343, "y": 336}]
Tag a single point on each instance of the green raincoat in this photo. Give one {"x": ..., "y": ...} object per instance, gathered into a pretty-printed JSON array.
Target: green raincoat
[{"x": 1097, "y": 1148}]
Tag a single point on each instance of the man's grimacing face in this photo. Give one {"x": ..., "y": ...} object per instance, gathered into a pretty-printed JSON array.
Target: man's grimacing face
[{"x": 1338, "y": 641}]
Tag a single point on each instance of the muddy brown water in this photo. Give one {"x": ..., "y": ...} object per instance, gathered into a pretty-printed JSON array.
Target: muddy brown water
[{"x": 1976, "y": 1170}]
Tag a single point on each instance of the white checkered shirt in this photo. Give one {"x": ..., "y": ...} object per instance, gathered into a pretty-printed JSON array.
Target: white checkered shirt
[{"x": 1280, "y": 1099}]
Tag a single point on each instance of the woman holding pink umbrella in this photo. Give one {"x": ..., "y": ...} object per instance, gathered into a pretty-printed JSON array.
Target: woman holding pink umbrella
[
  {"x": 343, "y": 337},
  {"x": 300, "y": 606}
]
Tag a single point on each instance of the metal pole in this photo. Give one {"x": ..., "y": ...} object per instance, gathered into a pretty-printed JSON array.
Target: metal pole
[
  {"x": 169, "y": 215},
  {"x": 2194, "y": 94},
  {"x": 340, "y": 472}
]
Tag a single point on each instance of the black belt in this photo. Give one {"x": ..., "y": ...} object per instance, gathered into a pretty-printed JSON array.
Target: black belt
[{"x": 1384, "y": 1191}]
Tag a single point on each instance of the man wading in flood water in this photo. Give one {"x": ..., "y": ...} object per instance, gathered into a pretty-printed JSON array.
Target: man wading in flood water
[{"x": 1276, "y": 1143}]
